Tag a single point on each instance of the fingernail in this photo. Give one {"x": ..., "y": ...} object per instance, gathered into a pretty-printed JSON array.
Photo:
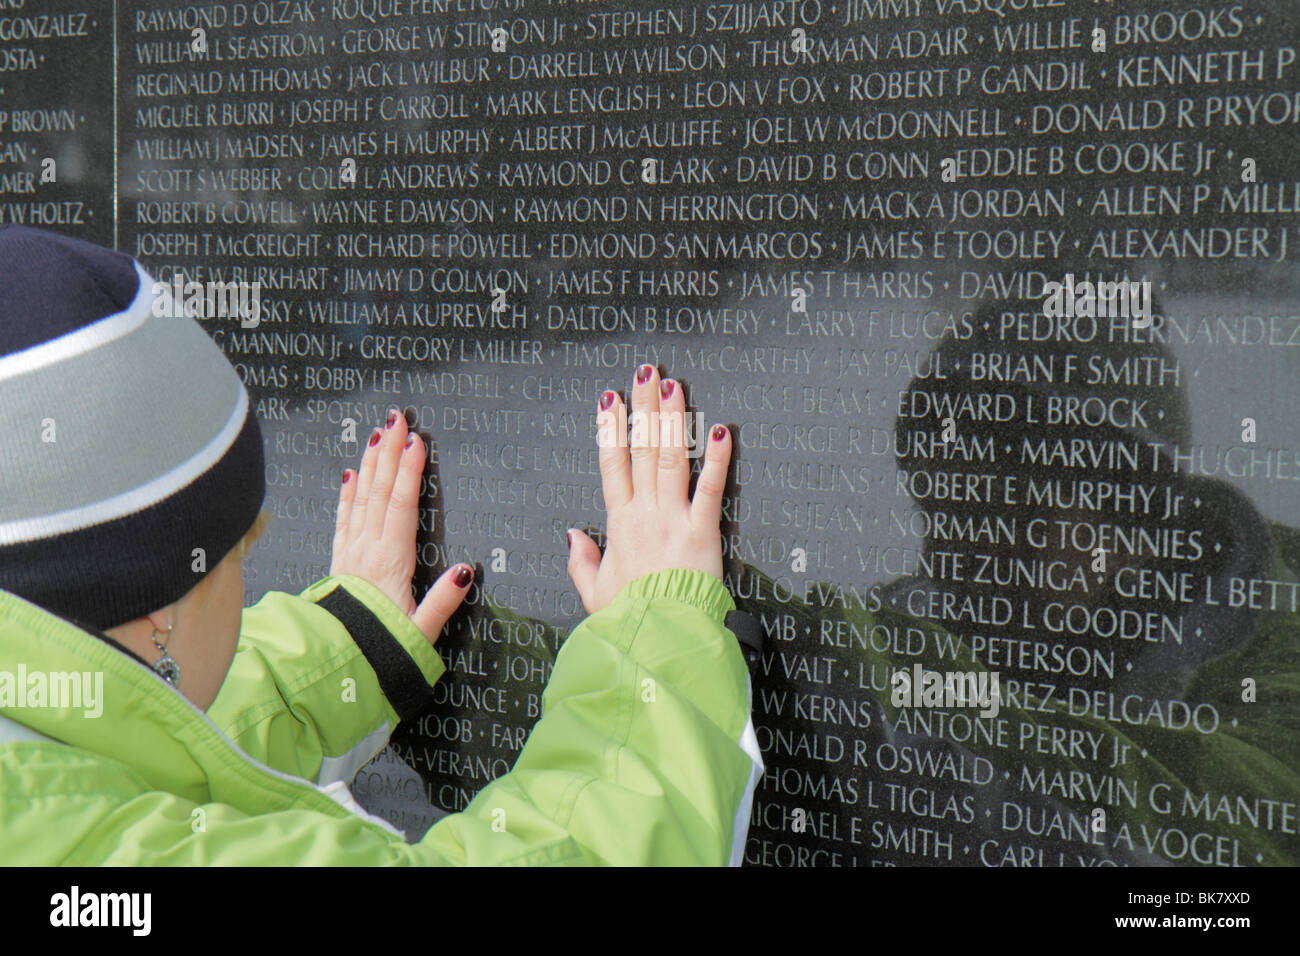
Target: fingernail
[
  {"x": 410, "y": 439},
  {"x": 347, "y": 475},
  {"x": 392, "y": 418},
  {"x": 463, "y": 577},
  {"x": 374, "y": 438},
  {"x": 666, "y": 388},
  {"x": 569, "y": 537},
  {"x": 606, "y": 400},
  {"x": 719, "y": 432},
  {"x": 643, "y": 374}
]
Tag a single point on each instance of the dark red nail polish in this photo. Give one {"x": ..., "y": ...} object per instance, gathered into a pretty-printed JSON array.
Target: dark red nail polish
[
  {"x": 606, "y": 400},
  {"x": 347, "y": 475},
  {"x": 643, "y": 374},
  {"x": 666, "y": 388},
  {"x": 568, "y": 536},
  {"x": 463, "y": 577},
  {"x": 392, "y": 417},
  {"x": 719, "y": 433},
  {"x": 374, "y": 438},
  {"x": 410, "y": 439}
]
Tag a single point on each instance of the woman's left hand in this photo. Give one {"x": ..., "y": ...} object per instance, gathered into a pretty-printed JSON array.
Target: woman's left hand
[{"x": 378, "y": 515}]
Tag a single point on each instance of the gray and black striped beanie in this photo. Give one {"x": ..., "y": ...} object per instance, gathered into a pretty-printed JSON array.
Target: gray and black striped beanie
[{"x": 130, "y": 458}]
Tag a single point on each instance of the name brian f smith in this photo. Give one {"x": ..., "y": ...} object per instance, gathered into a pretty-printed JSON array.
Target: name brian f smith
[
  {"x": 923, "y": 688},
  {"x": 57, "y": 689}
]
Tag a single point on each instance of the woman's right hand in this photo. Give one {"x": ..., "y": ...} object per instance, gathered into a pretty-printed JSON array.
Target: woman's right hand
[
  {"x": 654, "y": 524},
  {"x": 378, "y": 516}
]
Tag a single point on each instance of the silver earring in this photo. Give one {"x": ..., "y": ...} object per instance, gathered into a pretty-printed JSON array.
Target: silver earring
[{"x": 166, "y": 666}]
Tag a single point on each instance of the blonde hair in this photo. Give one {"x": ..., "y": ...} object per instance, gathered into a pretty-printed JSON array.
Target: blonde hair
[
  {"x": 254, "y": 534},
  {"x": 239, "y": 551}
]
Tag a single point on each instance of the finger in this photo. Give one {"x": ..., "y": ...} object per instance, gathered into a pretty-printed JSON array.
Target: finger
[
  {"x": 403, "y": 515},
  {"x": 347, "y": 493},
  {"x": 644, "y": 444},
  {"x": 584, "y": 562},
  {"x": 706, "y": 508},
  {"x": 381, "y": 486},
  {"x": 611, "y": 437},
  {"x": 674, "y": 468},
  {"x": 365, "y": 476},
  {"x": 442, "y": 600}
]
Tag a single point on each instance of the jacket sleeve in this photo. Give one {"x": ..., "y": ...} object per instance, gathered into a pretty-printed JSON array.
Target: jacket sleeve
[
  {"x": 645, "y": 752},
  {"x": 319, "y": 681}
]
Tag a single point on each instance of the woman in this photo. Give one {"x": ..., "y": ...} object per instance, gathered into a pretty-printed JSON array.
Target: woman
[{"x": 145, "y": 720}]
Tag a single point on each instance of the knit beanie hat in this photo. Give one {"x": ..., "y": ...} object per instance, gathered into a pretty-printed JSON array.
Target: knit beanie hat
[{"x": 130, "y": 459}]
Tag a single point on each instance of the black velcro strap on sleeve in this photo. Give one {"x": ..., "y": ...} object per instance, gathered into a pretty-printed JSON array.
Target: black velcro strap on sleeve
[
  {"x": 748, "y": 632},
  {"x": 399, "y": 676}
]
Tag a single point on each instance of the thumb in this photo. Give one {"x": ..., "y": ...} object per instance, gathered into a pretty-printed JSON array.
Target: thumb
[
  {"x": 442, "y": 600},
  {"x": 584, "y": 562}
]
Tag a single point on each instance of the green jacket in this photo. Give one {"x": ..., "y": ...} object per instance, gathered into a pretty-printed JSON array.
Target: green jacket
[{"x": 644, "y": 754}]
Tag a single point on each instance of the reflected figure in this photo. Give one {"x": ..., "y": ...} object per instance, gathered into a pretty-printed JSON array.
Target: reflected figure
[
  {"x": 1064, "y": 447},
  {"x": 1118, "y": 688},
  {"x": 1121, "y": 690}
]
